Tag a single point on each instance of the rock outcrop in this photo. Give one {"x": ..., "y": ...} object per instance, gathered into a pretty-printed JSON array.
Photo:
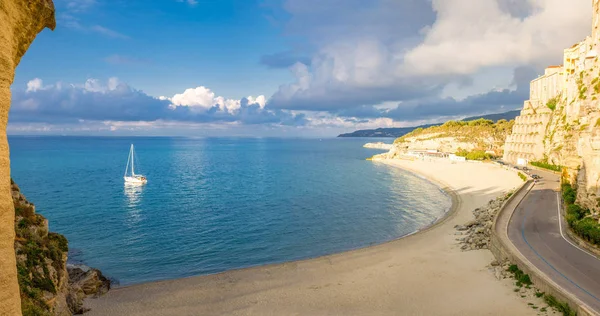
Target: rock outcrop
[
  {"x": 84, "y": 282},
  {"x": 560, "y": 124},
  {"x": 453, "y": 137},
  {"x": 378, "y": 145},
  {"x": 20, "y": 22},
  {"x": 476, "y": 233},
  {"x": 49, "y": 286}
]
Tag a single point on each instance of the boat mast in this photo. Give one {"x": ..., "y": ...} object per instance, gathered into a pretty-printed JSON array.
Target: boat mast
[
  {"x": 132, "y": 171},
  {"x": 128, "y": 159}
]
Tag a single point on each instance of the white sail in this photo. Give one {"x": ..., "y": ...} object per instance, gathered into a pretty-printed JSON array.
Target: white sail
[{"x": 133, "y": 178}]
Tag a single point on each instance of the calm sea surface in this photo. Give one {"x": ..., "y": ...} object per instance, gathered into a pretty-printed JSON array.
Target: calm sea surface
[{"x": 214, "y": 204}]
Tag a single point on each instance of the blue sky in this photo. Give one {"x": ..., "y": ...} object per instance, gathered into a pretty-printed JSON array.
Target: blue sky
[
  {"x": 159, "y": 46},
  {"x": 283, "y": 67}
]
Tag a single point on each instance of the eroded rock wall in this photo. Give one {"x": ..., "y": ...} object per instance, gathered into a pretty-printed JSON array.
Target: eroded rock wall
[
  {"x": 20, "y": 22},
  {"x": 564, "y": 116}
]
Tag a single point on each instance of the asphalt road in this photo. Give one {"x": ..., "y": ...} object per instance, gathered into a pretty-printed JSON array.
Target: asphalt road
[{"x": 536, "y": 232}]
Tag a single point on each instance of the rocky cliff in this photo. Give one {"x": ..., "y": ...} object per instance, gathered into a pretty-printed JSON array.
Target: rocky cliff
[
  {"x": 48, "y": 285},
  {"x": 20, "y": 22},
  {"x": 454, "y": 136},
  {"x": 560, "y": 123}
]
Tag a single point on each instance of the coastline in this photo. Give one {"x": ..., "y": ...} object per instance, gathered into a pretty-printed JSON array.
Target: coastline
[{"x": 387, "y": 276}]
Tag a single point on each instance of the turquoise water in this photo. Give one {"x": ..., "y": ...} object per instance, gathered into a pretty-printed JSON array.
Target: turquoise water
[{"x": 214, "y": 204}]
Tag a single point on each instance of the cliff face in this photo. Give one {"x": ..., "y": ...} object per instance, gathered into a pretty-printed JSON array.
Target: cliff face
[
  {"x": 560, "y": 124},
  {"x": 20, "y": 22},
  {"x": 41, "y": 261},
  {"x": 453, "y": 136},
  {"x": 48, "y": 285}
]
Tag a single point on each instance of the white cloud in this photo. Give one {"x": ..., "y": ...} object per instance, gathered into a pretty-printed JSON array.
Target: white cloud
[
  {"x": 409, "y": 50},
  {"x": 261, "y": 100},
  {"x": 113, "y": 82},
  {"x": 34, "y": 85},
  {"x": 202, "y": 98},
  {"x": 470, "y": 35},
  {"x": 195, "y": 97},
  {"x": 112, "y": 100}
]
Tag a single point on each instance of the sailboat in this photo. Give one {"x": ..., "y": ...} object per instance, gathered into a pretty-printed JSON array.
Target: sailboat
[{"x": 133, "y": 178}]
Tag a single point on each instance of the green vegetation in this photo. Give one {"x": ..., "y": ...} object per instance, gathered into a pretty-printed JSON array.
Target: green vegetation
[
  {"x": 582, "y": 92},
  {"x": 523, "y": 279},
  {"x": 585, "y": 227},
  {"x": 539, "y": 294},
  {"x": 522, "y": 176},
  {"x": 564, "y": 308},
  {"x": 568, "y": 193},
  {"x": 581, "y": 87},
  {"x": 474, "y": 155},
  {"x": 545, "y": 165},
  {"x": 596, "y": 85},
  {"x": 551, "y": 104},
  {"x": 483, "y": 134},
  {"x": 37, "y": 253},
  {"x": 520, "y": 276}
]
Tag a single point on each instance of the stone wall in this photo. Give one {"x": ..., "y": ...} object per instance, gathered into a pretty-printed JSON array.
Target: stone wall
[
  {"x": 526, "y": 139},
  {"x": 503, "y": 250},
  {"x": 20, "y": 22}
]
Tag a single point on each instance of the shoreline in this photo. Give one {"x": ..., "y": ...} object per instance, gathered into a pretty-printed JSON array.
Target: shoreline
[
  {"x": 454, "y": 206},
  {"x": 242, "y": 291},
  {"x": 444, "y": 188}
]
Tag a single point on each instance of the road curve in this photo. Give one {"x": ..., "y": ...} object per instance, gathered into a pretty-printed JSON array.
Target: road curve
[{"x": 536, "y": 230}]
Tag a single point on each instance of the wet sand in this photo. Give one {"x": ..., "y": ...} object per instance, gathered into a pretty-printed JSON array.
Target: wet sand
[{"x": 423, "y": 274}]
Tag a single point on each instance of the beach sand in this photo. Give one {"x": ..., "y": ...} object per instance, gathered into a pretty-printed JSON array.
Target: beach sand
[{"x": 423, "y": 274}]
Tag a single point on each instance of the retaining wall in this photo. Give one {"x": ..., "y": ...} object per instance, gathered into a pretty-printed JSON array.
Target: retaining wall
[{"x": 502, "y": 248}]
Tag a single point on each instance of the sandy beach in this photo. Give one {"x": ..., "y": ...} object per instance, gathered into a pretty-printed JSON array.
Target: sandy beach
[{"x": 423, "y": 274}]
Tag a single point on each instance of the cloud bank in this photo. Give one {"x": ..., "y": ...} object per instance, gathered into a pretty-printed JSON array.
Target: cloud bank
[
  {"x": 367, "y": 53},
  {"x": 115, "y": 101}
]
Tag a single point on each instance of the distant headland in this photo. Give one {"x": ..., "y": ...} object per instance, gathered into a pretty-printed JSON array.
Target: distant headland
[{"x": 401, "y": 131}]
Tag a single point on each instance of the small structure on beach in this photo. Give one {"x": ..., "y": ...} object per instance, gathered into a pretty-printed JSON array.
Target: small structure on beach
[
  {"x": 429, "y": 153},
  {"x": 454, "y": 157}
]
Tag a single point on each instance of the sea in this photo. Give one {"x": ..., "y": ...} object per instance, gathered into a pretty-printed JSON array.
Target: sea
[{"x": 216, "y": 204}]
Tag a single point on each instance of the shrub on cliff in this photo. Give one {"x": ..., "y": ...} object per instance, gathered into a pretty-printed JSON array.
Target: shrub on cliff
[
  {"x": 522, "y": 176},
  {"x": 545, "y": 165},
  {"x": 569, "y": 194},
  {"x": 551, "y": 104},
  {"x": 43, "y": 276},
  {"x": 587, "y": 229},
  {"x": 577, "y": 211},
  {"x": 41, "y": 258}
]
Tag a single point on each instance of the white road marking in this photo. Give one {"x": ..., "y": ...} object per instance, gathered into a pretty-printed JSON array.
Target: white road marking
[{"x": 561, "y": 230}]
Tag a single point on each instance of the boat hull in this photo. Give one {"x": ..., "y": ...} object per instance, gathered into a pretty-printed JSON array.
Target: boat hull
[{"x": 132, "y": 180}]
